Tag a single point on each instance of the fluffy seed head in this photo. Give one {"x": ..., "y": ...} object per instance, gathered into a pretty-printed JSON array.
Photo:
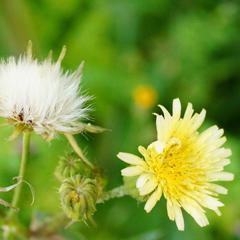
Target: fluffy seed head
[
  {"x": 181, "y": 165},
  {"x": 40, "y": 96}
]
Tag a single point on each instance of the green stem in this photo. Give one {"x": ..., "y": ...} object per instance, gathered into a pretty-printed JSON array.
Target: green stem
[
  {"x": 116, "y": 192},
  {"x": 78, "y": 150},
  {"x": 24, "y": 158}
]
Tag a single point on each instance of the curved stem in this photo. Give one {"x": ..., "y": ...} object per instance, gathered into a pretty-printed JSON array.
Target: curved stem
[
  {"x": 24, "y": 158},
  {"x": 78, "y": 150},
  {"x": 116, "y": 192}
]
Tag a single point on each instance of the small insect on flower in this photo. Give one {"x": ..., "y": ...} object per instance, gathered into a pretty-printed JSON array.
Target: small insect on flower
[
  {"x": 181, "y": 165},
  {"x": 39, "y": 96}
]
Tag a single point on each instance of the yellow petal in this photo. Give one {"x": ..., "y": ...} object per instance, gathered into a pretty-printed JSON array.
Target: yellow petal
[
  {"x": 211, "y": 203},
  {"x": 208, "y": 133},
  {"x": 148, "y": 187},
  {"x": 176, "y": 109},
  {"x": 179, "y": 217},
  {"x": 130, "y": 158},
  {"x": 195, "y": 211},
  {"x": 142, "y": 180},
  {"x": 131, "y": 171},
  {"x": 222, "y": 152},
  {"x": 217, "y": 188},
  {"x": 158, "y": 146},
  {"x": 221, "y": 176},
  {"x": 143, "y": 151},
  {"x": 167, "y": 115},
  {"x": 189, "y": 112},
  {"x": 170, "y": 210},
  {"x": 152, "y": 200},
  {"x": 198, "y": 119},
  {"x": 160, "y": 122}
]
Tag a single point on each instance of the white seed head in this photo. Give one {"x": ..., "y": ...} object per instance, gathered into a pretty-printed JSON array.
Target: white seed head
[{"x": 40, "y": 96}]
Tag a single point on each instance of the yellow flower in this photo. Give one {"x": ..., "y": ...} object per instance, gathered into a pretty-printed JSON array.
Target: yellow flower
[
  {"x": 181, "y": 165},
  {"x": 145, "y": 96}
]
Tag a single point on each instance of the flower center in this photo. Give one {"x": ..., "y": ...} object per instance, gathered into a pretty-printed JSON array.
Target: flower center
[
  {"x": 173, "y": 165},
  {"x": 20, "y": 121},
  {"x": 73, "y": 195}
]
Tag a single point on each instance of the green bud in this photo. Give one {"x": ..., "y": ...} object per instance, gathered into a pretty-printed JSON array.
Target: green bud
[
  {"x": 131, "y": 189},
  {"x": 71, "y": 165},
  {"x": 78, "y": 197}
]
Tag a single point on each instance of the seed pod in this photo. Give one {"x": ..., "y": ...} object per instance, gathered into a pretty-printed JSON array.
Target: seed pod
[{"x": 78, "y": 197}]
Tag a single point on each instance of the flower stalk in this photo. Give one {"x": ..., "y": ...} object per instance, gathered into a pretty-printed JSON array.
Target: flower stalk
[
  {"x": 72, "y": 141},
  {"x": 116, "y": 192},
  {"x": 24, "y": 158}
]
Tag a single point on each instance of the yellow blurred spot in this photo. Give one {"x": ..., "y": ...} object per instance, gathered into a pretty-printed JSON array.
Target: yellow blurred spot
[{"x": 145, "y": 96}]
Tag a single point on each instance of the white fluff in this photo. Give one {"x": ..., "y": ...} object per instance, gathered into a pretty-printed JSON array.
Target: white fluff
[{"x": 40, "y": 96}]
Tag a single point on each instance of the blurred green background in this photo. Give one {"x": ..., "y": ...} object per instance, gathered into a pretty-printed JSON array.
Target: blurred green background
[{"x": 137, "y": 54}]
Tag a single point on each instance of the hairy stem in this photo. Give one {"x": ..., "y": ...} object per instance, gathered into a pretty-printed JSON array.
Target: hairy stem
[
  {"x": 78, "y": 150},
  {"x": 24, "y": 158},
  {"x": 116, "y": 192}
]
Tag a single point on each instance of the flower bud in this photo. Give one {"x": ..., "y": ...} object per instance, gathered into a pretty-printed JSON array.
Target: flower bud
[
  {"x": 78, "y": 197},
  {"x": 131, "y": 189},
  {"x": 71, "y": 165}
]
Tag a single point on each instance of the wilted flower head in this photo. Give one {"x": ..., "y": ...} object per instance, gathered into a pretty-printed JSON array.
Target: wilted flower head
[
  {"x": 40, "y": 96},
  {"x": 182, "y": 165},
  {"x": 78, "y": 196}
]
